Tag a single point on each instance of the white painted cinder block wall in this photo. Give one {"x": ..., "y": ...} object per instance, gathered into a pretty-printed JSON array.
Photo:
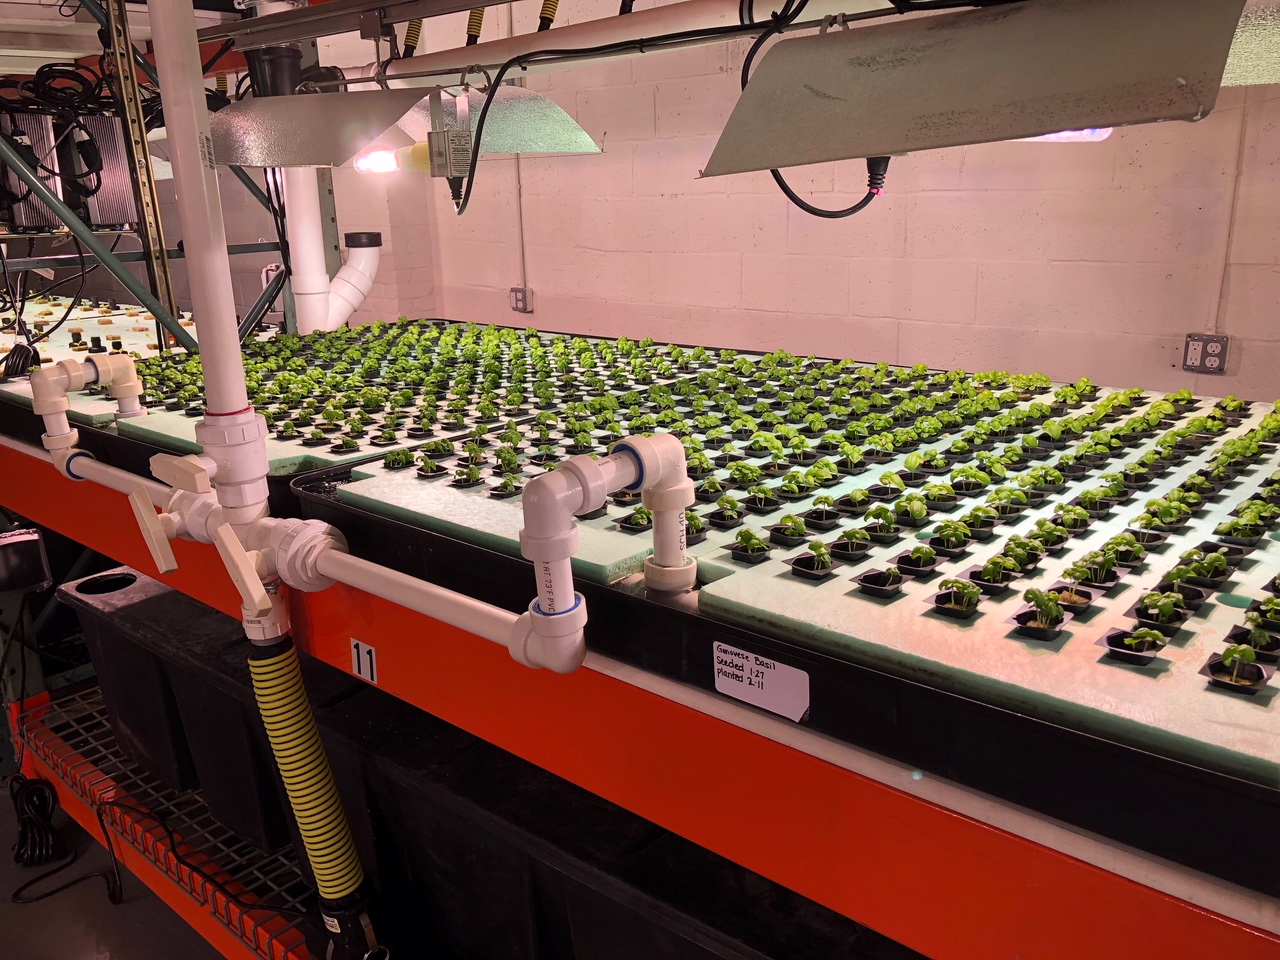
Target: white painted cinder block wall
[{"x": 1075, "y": 259}]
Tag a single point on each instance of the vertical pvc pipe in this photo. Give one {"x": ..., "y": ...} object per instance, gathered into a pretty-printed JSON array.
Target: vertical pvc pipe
[
  {"x": 199, "y": 205},
  {"x": 669, "y": 538},
  {"x": 555, "y": 585},
  {"x": 309, "y": 273}
]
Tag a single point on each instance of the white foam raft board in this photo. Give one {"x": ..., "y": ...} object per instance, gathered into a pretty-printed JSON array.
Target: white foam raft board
[{"x": 1167, "y": 707}]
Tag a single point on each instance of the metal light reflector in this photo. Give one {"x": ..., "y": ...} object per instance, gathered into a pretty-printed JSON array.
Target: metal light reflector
[
  {"x": 519, "y": 121},
  {"x": 1000, "y": 73},
  {"x": 307, "y": 130},
  {"x": 1255, "y": 53}
]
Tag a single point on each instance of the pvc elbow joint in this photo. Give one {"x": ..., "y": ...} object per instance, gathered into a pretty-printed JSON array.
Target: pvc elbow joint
[{"x": 555, "y": 642}]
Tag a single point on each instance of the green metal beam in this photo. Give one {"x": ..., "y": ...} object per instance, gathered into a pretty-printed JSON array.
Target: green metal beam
[
  {"x": 259, "y": 309},
  {"x": 13, "y": 160},
  {"x": 59, "y": 261}
]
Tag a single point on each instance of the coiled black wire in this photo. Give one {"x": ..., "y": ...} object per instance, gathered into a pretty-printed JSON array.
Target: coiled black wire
[{"x": 39, "y": 841}]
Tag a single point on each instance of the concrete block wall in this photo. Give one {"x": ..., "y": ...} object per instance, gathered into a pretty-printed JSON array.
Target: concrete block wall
[{"x": 1075, "y": 259}]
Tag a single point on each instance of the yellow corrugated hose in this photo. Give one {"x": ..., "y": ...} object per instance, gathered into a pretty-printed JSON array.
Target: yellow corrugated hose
[
  {"x": 412, "y": 34},
  {"x": 548, "y": 14},
  {"x": 291, "y": 727},
  {"x": 475, "y": 23}
]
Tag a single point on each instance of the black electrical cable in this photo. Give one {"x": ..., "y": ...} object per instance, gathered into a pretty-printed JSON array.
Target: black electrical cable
[
  {"x": 523, "y": 60},
  {"x": 21, "y": 356},
  {"x": 40, "y": 842},
  {"x": 877, "y": 167},
  {"x": 175, "y": 852},
  {"x": 275, "y": 201},
  {"x": 221, "y": 52},
  {"x": 35, "y": 802},
  {"x": 92, "y": 267},
  {"x": 779, "y": 22},
  {"x": 73, "y": 303}
]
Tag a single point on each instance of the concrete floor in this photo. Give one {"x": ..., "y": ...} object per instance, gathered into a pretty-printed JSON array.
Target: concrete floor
[{"x": 80, "y": 923}]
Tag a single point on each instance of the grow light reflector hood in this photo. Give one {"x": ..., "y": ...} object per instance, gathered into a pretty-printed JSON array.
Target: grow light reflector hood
[
  {"x": 997, "y": 73},
  {"x": 519, "y": 121},
  {"x": 307, "y": 130}
]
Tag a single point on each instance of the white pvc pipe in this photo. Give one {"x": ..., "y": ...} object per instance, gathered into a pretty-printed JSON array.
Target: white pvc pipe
[
  {"x": 173, "y": 34},
  {"x": 555, "y": 585},
  {"x": 669, "y": 538},
  {"x": 352, "y": 284},
  {"x": 620, "y": 470},
  {"x": 308, "y": 273},
  {"x": 56, "y": 424},
  {"x": 669, "y": 18},
  {"x": 456, "y": 609},
  {"x": 113, "y": 478}
]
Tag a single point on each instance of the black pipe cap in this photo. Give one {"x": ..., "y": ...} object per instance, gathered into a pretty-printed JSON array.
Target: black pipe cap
[{"x": 369, "y": 238}]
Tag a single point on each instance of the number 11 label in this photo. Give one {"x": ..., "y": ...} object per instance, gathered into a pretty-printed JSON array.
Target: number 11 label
[{"x": 364, "y": 661}]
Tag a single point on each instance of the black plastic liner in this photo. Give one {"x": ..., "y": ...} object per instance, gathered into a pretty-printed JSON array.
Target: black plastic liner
[{"x": 175, "y": 681}]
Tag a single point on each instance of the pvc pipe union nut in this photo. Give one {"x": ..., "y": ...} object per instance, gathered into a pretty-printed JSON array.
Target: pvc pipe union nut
[
  {"x": 590, "y": 477},
  {"x": 298, "y": 552}
]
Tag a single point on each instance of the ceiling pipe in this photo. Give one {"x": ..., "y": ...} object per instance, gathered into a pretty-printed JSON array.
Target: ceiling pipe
[{"x": 671, "y": 18}]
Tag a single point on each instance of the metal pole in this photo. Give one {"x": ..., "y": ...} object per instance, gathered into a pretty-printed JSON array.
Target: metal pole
[
  {"x": 150, "y": 227},
  {"x": 261, "y": 305},
  {"x": 13, "y": 160},
  {"x": 251, "y": 185}
]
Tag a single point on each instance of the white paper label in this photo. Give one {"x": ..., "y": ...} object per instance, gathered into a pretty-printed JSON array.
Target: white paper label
[{"x": 761, "y": 682}]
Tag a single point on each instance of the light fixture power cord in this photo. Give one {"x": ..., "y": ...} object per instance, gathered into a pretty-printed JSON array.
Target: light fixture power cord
[{"x": 877, "y": 167}]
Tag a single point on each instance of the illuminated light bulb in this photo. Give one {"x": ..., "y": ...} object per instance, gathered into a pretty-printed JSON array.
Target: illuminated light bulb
[
  {"x": 415, "y": 157},
  {"x": 377, "y": 161},
  {"x": 1091, "y": 135}
]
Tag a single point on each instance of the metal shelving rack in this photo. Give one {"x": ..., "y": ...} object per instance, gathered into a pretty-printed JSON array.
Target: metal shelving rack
[{"x": 69, "y": 742}]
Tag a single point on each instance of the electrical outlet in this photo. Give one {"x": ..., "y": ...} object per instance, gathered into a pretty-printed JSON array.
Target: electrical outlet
[
  {"x": 1205, "y": 353},
  {"x": 522, "y": 300}
]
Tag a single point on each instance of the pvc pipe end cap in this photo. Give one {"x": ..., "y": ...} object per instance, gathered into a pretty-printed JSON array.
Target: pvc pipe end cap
[{"x": 670, "y": 579}]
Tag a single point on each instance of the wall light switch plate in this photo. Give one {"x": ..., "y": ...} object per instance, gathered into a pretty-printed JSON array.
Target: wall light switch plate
[
  {"x": 1205, "y": 353},
  {"x": 522, "y": 300}
]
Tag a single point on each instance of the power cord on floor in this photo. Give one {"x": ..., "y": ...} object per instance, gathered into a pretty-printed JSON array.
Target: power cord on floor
[{"x": 40, "y": 842}]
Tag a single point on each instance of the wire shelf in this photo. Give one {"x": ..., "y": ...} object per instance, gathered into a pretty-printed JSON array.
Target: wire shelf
[{"x": 72, "y": 736}]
